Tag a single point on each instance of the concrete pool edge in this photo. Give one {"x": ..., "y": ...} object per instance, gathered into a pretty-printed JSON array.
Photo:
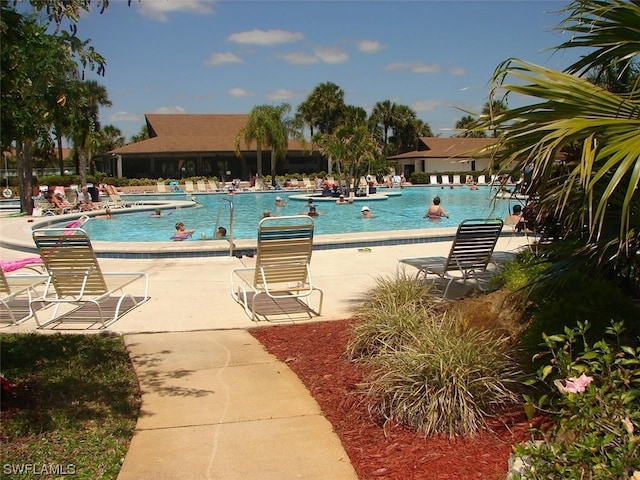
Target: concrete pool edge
[{"x": 17, "y": 235}]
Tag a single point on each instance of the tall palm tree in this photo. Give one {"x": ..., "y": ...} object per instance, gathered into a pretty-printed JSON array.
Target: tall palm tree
[
  {"x": 268, "y": 126},
  {"x": 383, "y": 116},
  {"x": 86, "y": 122},
  {"x": 596, "y": 192},
  {"x": 465, "y": 127},
  {"x": 493, "y": 109},
  {"x": 327, "y": 101}
]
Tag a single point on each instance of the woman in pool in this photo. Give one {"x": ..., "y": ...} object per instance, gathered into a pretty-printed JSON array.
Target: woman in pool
[
  {"x": 181, "y": 233},
  {"x": 435, "y": 210}
]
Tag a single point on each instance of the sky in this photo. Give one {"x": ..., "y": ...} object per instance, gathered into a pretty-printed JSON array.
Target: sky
[{"x": 220, "y": 57}]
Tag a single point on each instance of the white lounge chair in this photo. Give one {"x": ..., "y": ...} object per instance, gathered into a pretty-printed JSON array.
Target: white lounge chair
[
  {"x": 202, "y": 187},
  {"x": 445, "y": 180},
  {"x": 470, "y": 254},
  {"x": 162, "y": 188},
  {"x": 18, "y": 294},
  {"x": 282, "y": 272},
  {"x": 188, "y": 186},
  {"x": 456, "y": 180},
  {"x": 433, "y": 179},
  {"x": 75, "y": 278}
]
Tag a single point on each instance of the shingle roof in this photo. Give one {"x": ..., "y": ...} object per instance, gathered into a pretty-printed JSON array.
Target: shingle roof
[
  {"x": 439, "y": 147},
  {"x": 172, "y": 133}
]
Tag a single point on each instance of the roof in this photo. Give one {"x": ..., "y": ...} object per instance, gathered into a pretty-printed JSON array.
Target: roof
[
  {"x": 174, "y": 133},
  {"x": 455, "y": 147}
]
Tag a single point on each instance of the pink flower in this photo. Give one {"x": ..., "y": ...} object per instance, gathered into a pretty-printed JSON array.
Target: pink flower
[{"x": 574, "y": 385}]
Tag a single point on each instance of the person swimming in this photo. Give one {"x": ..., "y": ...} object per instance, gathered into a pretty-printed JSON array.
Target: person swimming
[
  {"x": 181, "y": 233},
  {"x": 435, "y": 210}
]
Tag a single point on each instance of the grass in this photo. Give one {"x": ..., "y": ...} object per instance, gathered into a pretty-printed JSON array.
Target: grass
[{"x": 72, "y": 407}]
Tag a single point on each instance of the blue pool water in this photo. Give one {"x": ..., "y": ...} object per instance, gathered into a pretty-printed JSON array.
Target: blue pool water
[{"x": 403, "y": 212}]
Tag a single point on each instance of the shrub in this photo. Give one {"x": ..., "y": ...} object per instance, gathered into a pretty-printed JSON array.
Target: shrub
[
  {"x": 394, "y": 308},
  {"x": 444, "y": 379},
  {"x": 593, "y": 395}
]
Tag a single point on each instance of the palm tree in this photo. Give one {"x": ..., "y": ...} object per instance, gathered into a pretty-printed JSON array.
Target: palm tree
[
  {"x": 268, "y": 126},
  {"x": 383, "y": 116},
  {"x": 595, "y": 192},
  {"x": 86, "y": 122},
  {"x": 492, "y": 109},
  {"x": 352, "y": 148},
  {"x": 327, "y": 103},
  {"x": 465, "y": 127}
]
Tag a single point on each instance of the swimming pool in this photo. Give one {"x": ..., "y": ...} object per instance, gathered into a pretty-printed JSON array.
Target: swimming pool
[{"x": 401, "y": 212}]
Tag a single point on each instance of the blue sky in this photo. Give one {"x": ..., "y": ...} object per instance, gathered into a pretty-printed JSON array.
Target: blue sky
[{"x": 196, "y": 56}]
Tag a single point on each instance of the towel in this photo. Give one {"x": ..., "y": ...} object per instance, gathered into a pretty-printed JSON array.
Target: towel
[{"x": 12, "y": 265}]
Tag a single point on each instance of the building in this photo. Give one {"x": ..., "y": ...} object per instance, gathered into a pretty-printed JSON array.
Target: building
[
  {"x": 188, "y": 145},
  {"x": 436, "y": 154}
]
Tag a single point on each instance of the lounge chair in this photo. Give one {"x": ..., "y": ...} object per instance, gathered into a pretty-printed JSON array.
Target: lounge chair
[
  {"x": 115, "y": 200},
  {"x": 308, "y": 186},
  {"x": 470, "y": 254},
  {"x": 161, "y": 187},
  {"x": 482, "y": 179},
  {"x": 18, "y": 294},
  {"x": 433, "y": 179},
  {"x": 188, "y": 186},
  {"x": 445, "y": 180},
  {"x": 214, "y": 186},
  {"x": 75, "y": 278},
  {"x": 282, "y": 272},
  {"x": 456, "y": 179},
  {"x": 201, "y": 186}
]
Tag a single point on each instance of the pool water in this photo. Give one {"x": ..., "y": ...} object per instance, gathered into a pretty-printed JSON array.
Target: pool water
[{"x": 401, "y": 212}]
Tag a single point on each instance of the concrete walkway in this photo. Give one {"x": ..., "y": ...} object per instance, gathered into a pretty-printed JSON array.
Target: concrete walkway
[{"x": 215, "y": 404}]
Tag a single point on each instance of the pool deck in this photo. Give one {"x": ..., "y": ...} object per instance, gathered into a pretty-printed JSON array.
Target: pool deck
[{"x": 215, "y": 404}]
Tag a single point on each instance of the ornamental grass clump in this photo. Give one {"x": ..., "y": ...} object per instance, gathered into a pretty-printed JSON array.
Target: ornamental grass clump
[
  {"x": 591, "y": 396},
  {"x": 393, "y": 310},
  {"x": 444, "y": 379}
]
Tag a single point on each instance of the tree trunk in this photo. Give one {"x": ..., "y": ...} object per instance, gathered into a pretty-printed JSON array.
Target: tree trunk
[
  {"x": 25, "y": 175},
  {"x": 82, "y": 168},
  {"x": 60, "y": 155},
  {"x": 259, "y": 160}
]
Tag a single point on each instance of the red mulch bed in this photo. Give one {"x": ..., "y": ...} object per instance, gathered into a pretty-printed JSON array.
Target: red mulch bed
[{"x": 315, "y": 352}]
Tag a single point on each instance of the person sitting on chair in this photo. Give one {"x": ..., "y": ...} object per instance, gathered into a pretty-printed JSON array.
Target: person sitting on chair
[{"x": 85, "y": 202}]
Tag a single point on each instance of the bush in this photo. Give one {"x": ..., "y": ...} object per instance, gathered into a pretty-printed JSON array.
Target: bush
[
  {"x": 593, "y": 396},
  {"x": 394, "y": 309},
  {"x": 423, "y": 367},
  {"x": 445, "y": 379}
]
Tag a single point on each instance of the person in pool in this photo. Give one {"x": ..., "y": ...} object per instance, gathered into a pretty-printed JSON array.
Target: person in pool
[
  {"x": 181, "y": 233},
  {"x": 341, "y": 200},
  {"x": 366, "y": 213},
  {"x": 435, "y": 210}
]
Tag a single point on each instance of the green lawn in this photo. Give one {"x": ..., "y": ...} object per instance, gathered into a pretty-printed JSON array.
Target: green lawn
[{"x": 72, "y": 407}]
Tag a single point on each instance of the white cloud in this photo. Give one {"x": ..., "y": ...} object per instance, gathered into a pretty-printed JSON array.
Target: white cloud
[
  {"x": 283, "y": 94},
  {"x": 428, "y": 105},
  {"x": 240, "y": 92},
  {"x": 369, "y": 46},
  {"x": 221, "y": 59},
  {"x": 331, "y": 55},
  {"x": 414, "y": 67},
  {"x": 265, "y": 37},
  {"x": 457, "y": 71},
  {"x": 174, "y": 109},
  {"x": 122, "y": 116},
  {"x": 159, "y": 10},
  {"x": 299, "y": 58}
]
